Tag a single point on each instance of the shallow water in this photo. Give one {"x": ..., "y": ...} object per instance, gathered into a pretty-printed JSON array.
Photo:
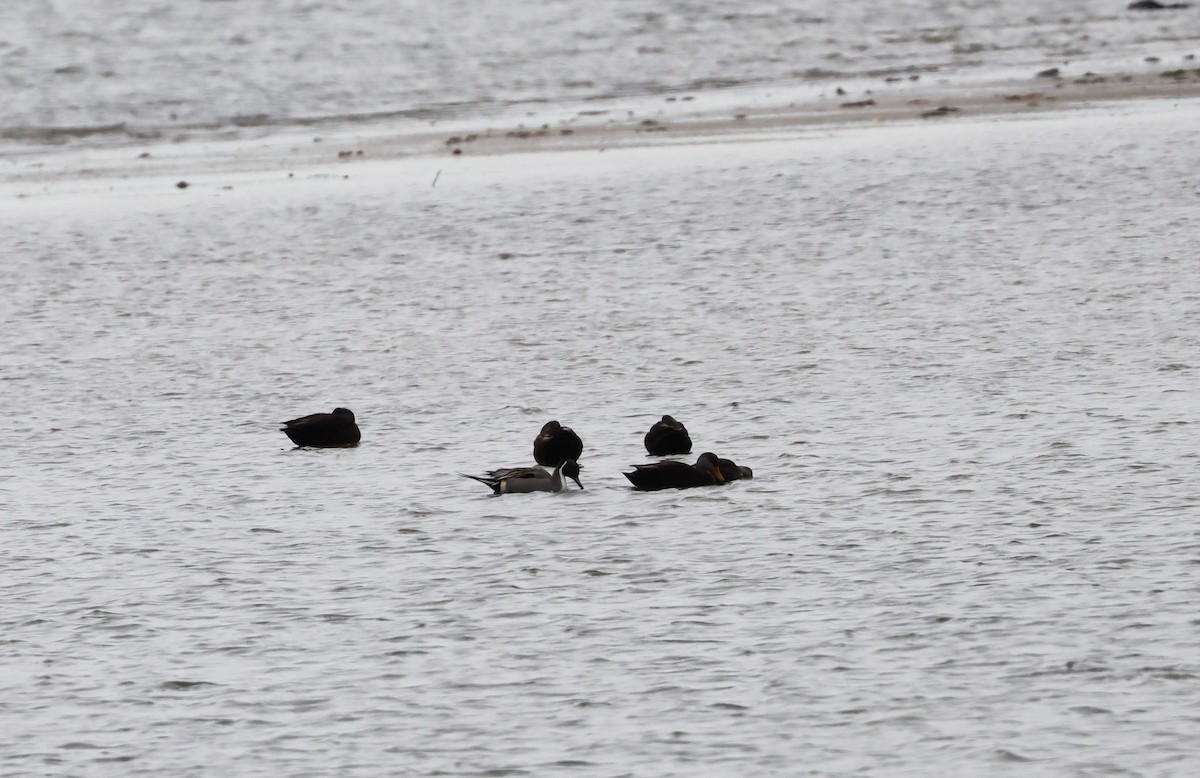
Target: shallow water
[
  {"x": 85, "y": 73},
  {"x": 961, "y": 360}
]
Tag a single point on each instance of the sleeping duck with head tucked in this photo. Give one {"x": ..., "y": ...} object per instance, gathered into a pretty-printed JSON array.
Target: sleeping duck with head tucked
[
  {"x": 556, "y": 444},
  {"x": 668, "y": 436},
  {"x": 324, "y": 430}
]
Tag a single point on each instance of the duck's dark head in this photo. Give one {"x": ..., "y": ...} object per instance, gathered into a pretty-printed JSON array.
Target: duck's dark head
[
  {"x": 550, "y": 428},
  {"x": 571, "y": 470},
  {"x": 709, "y": 463},
  {"x": 349, "y": 414},
  {"x": 669, "y": 420}
]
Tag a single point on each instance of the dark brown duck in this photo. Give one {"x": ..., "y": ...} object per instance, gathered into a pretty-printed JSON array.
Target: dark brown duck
[
  {"x": 324, "y": 430},
  {"x": 673, "y": 474},
  {"x": 668, "y": 436},
  {"x": 556, "y": 444},
  {"x": 733, "y": 472}
]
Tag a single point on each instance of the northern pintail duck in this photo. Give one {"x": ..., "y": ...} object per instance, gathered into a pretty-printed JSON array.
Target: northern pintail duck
[
  {"x": 672, "y": 474},
  {"x": 520, "y": 480},
  {"x": 668, "y": 436},
  {"x": 324, "y": 430},
  {"x": 556, "y": 444}
]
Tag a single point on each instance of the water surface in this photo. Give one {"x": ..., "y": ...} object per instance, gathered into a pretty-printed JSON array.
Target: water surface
[{"x": 960, "y": 358}]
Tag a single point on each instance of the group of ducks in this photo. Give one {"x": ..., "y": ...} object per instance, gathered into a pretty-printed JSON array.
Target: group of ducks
[{"x": 555, "y": 446}]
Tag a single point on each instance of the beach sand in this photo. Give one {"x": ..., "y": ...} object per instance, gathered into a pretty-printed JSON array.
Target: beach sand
[{"x": 337, "y": 153}]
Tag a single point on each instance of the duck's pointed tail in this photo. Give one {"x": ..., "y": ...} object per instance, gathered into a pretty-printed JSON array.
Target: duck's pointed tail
[{"x": 494, "y": 484}]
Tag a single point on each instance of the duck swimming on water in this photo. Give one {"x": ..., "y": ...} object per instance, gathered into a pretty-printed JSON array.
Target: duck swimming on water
[
  {"x": 668, "y": 436},
  {"x": 324, "y": 430},
  {"x": 673, "y": 474},
  {"x": 733, "y": 472},
  {"x": 520, "y": 480},
  {"x": 556, "y": 444}
]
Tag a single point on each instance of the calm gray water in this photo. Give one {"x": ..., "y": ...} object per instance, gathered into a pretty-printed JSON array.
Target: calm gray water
[
  {"x": 80, "y": 71},
  {"x": 961, "y": 359}
]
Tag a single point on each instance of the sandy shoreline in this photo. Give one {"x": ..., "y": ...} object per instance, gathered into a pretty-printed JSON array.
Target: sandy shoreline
[{"x": 655, "y": 121}]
